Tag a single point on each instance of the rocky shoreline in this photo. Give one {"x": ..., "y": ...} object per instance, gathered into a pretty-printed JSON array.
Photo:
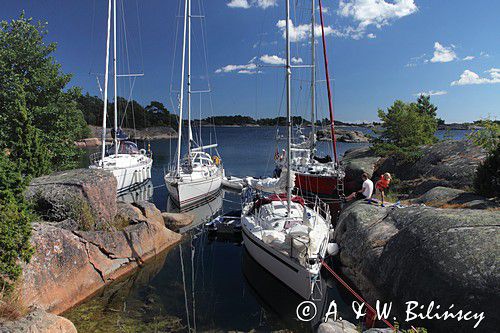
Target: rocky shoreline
[
  {"x": 83, "y": 241},
  {"x": 343, "y": 135},
  {"x": 440, "y": 245}
]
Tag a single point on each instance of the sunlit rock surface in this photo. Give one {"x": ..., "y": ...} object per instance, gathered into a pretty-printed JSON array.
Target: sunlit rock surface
[{"x": 426, "y": 254}]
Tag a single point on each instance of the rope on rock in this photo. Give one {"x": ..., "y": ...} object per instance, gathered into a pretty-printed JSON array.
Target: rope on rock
[{"x": 355, "y": 294}]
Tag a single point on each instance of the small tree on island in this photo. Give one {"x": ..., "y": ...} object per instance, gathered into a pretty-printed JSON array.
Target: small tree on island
[{"x": 406, "y": 127}]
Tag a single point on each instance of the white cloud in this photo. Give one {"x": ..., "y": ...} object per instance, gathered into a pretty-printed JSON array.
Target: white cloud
[
  {"x": 443, "y": 53},
  {"x": 371, "y": 36},
  {"x": 373, "y": 12},
  {"x": 249, "y": 68},
  {"x": 303, "y": 31},
  {"x": 469, "y": 77},
  {"x": 432, "y": 93},
  {"x": 276, "y": 60},
  {"x": 468, "y": 58},
  {"x": 264, "y": 4},
  {"x": 252, "y": 68},
  {"x": 248, "y": 71},
  {"x": 272, "y": 60},
  {"x": 245, "y": 4},
  {"x": 238, "y": 4}
]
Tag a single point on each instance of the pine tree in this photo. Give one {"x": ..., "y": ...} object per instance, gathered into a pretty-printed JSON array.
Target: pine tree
[{"x": 425, "y": 106}]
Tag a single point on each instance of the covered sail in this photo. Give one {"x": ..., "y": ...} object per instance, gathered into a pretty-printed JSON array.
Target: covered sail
[{"x": 271, "y": 185}]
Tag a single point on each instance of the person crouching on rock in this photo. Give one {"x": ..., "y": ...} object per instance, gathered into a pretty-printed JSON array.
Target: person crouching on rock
[
  {"x": 383, "y": 184},
  {"x": 366, "y": 189}
]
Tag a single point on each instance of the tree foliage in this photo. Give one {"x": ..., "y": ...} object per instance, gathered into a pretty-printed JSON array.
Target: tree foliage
[
  {"x": 406, "y": 127},
  {"x": 488, "y": 136},
  {"x": 131, "y": 113},
  {"x": 40, "y": 120},
  {"x": 15, "y": 223},
  {"x": 487, "y": 178}
]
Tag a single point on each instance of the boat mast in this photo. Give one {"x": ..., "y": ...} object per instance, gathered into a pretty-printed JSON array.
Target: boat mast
[
  {"x": 313, "y": 76},
  {"x": 330, "y": 105},
  {"x": 114, "y": 77},
  {"x": 181, "y": 99},
  {"x": 190, "y": 131},
  {"x": 106, "y": 76},
  {"x": 288, "y": 111}
]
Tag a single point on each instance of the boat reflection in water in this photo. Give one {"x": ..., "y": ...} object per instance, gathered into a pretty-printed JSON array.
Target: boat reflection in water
[
  {"x": 141, "y": 193},
  {"x": 203, "y": 211},
  {"x": 278, "y": 300}
]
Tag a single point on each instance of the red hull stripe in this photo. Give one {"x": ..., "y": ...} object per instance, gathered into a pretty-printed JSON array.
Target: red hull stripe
[{"x": 316, "y": 184}]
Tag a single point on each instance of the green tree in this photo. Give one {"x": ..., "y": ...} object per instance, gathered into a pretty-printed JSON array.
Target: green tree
[
  {"x": 425, "y": 106},
  {"x": 15, "y": 223},
  {"x": 18, "y": 136},
  {"x": 405, "y": 127},
  {"x": 92, "y": 107},
  {"x": 488, "y": 136},
  {"x": 39, "y": 122},
  {"x": 48, "y": 112}
]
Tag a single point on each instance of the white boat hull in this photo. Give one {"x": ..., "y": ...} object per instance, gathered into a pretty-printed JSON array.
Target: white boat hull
[
  {"x": 130, "y": 173},
  {"x": 188, "y": 192},
  {"x": 295, "y": 276},
  {"x": 128, "y": 178}
]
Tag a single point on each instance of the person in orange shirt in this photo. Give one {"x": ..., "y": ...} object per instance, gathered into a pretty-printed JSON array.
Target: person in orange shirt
[{"x": 382, "y": 184}]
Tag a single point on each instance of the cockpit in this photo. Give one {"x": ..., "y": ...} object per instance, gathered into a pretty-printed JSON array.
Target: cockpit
[{"x": 124, "y": 147}]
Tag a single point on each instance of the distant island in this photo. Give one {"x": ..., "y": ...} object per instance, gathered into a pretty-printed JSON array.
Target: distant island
[{"x": 156, "y": 114}]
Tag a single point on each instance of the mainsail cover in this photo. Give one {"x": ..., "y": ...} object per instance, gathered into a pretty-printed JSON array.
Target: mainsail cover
[{"x": 271, "y": 185}]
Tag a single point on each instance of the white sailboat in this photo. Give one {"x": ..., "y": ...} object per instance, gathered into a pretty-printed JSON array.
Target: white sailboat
[
  {"x": 130, "y": 166},
  {"x": 284, "y": 234},
  {"x": 197, "y": 175}
]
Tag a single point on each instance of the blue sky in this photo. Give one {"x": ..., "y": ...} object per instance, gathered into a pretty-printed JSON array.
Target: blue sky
[{"x": 379, "y": 51}]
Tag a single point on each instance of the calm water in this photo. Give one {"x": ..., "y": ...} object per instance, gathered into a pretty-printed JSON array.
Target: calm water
[{"x": 206, "y": 283}]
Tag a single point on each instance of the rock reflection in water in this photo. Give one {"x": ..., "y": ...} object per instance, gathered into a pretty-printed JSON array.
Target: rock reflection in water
[{"x": 123, "y": 307}]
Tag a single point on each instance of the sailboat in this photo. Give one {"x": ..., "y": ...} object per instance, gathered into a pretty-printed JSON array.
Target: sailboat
[
  {"x": 130, "y": 165},
  {"x": 316, "y": 175},
  {"x": 197, "y": 175},
  {"x": 283, "y": 233}
]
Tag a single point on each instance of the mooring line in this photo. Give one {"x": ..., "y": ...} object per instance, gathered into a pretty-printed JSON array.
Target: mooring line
[{"x": 355, "y": 294}]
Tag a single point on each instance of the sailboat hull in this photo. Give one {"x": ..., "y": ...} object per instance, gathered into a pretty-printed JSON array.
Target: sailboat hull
[
  {"x": 130, "y": 171},
  {"x": 296, "y": 277},
  {"x": 187, "y": 192},
  {"x": 316, "y": 184}
]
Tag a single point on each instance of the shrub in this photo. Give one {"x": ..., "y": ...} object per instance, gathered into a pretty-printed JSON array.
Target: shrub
[
  {"x": 487, "y": 178},
  {"x": 15, "y": 224}
]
